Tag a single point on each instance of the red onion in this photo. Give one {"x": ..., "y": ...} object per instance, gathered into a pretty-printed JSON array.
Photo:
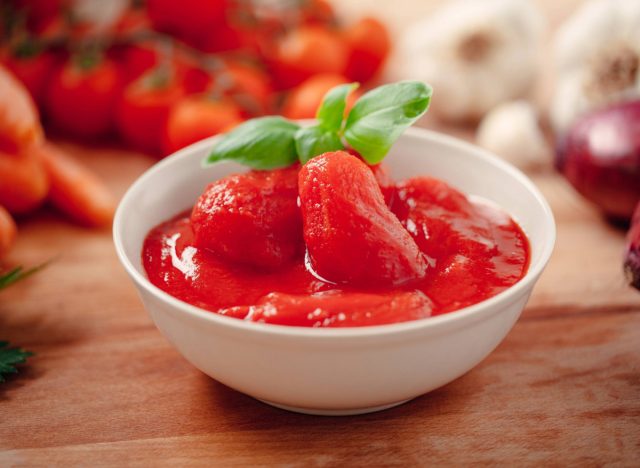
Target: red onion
[
  {"x": 600, "y": 156},
  {"x": 632, "y": 254}
]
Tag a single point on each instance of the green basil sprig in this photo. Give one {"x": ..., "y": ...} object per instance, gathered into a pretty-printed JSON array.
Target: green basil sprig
[
  {"x": 262, "y": 143},
  {"x": 374, "y": 123},
  {"x": 330, "y": 114}
]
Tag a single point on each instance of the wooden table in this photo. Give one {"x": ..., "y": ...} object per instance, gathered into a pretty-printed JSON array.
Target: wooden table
[{"x": 106, "y": 388}]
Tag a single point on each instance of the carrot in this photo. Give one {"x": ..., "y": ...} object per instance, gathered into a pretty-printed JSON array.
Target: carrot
[
  {"x": 24, "y": 183},
  {"x": 19, "y": 122},
  {"x": 8, "y": 231},
  {"x": 75, "y": 190}
]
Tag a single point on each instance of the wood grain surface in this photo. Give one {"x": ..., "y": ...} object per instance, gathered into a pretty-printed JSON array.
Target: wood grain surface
[{"x": 105, "y": 388}]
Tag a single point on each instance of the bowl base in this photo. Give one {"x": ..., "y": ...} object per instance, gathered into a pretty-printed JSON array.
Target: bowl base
[{"x": 330, "y": 412}]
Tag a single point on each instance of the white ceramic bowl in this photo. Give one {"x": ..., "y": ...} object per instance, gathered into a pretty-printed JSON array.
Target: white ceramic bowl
[{"x": 337, "y": 371}]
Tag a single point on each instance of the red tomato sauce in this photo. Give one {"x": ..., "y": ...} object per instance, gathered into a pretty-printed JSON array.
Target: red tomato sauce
[{"x": 474, "y": 251}]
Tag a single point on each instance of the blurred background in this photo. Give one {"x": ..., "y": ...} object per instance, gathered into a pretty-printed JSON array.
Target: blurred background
[{"x": 94, "y": 92}]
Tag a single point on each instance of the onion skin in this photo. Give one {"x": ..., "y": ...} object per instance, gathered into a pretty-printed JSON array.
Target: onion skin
[
  {"x": 632, "y": 254},
  {"x": 600, "y": 157}
]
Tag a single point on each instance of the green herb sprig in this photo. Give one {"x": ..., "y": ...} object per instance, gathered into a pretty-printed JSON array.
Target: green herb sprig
[
  {"x": 17, "y": 274},
  {"x": 9, "y": 357},
  {"x": 374, "y": 123}
]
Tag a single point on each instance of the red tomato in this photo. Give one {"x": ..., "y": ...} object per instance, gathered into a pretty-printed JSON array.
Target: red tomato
[
  {"x": 186, "y": 19},
  {"x": 223, "y": 38},
  {"x": 369, "y": 44},
  {"x": 351, "y": 235},
  {"x": 135, "y": 59},
  {"x": 80, "y": 99},
  {"x": 40, "y": 13},
  {"x": 317, "y": 12},
  {"x": 260, "y": 30},
  {"x": 55, "y": 27},
  {"x": 305, "y": 52},
  {"x": 33, "y": 71},
  {"x": 304, "y": 100},
  {"x": 197, "y": 117},
  {"x": 144, "y": 108},
  {"x": 194, "y": 78},
  {"x": 132, "y": 21},
  {"x": 249, "y": 87},
  {"x": 251, "y": 219}
]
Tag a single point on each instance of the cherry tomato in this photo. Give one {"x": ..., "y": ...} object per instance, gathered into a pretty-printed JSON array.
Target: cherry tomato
[
  {"x": 40, "y": 13},
  {"x": 304, "y": 100},
  {"x": 194, "y": 78},
  {"x": 81, "y": 97},
  {"x": 186, "y": 19},
  {"x": 258, "y": 29},
  {"x": 248, "y": 85},
  {"x": 32, "y": 70},
  {"x": 369, "y": 45},
  {"x": 132, "y": 21},
  {"x": 317, "y": 12},
  {"x": 135, "y": 59},
  {"x": 307, "y": 51},
  {"x": 198, "y": 117},
  {"x": 54, "y": 28},
  {"x": 223, "y": 38},
  {"x": 144, "y": 108}
]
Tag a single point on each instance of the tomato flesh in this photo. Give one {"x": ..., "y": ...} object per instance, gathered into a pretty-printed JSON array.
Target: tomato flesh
[{"x": 474, "y": 251}]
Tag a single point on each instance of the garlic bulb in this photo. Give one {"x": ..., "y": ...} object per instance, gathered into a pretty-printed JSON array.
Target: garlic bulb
[
  {"x": 597, "y": 59},
  {"x": 99, "y": 14},
  {"x": 475, "y": 54},
  {"x": 511, "y": 131}
]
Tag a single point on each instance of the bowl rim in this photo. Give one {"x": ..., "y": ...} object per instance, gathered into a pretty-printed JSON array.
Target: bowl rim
[{"x": 480, "y": 310}]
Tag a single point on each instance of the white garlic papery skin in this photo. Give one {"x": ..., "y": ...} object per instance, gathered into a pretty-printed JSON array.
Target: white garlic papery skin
[
  {"x": 475, "y": 54},
  {"x": 100, "y": 14},
  {"x": 597, "y": 54},
  {"x": 512, "y": 132}
]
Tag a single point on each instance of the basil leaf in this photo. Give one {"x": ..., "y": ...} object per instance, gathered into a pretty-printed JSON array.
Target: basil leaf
[
  {"x": 331, "y": 112},
  {"x": 312, "y": 141},
  {"x": 381, "y": 115},
  {"x": 263, "y": 143}
]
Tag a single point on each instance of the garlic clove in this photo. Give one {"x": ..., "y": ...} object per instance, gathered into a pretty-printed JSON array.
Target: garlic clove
[
  {"x": 597, "y": 54},
  {"x": 596, "y": 24},
  {"x": 569, "y": 101},
  {"x": 511, "y": 131},
  {"x": 474, "y": 54}
]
